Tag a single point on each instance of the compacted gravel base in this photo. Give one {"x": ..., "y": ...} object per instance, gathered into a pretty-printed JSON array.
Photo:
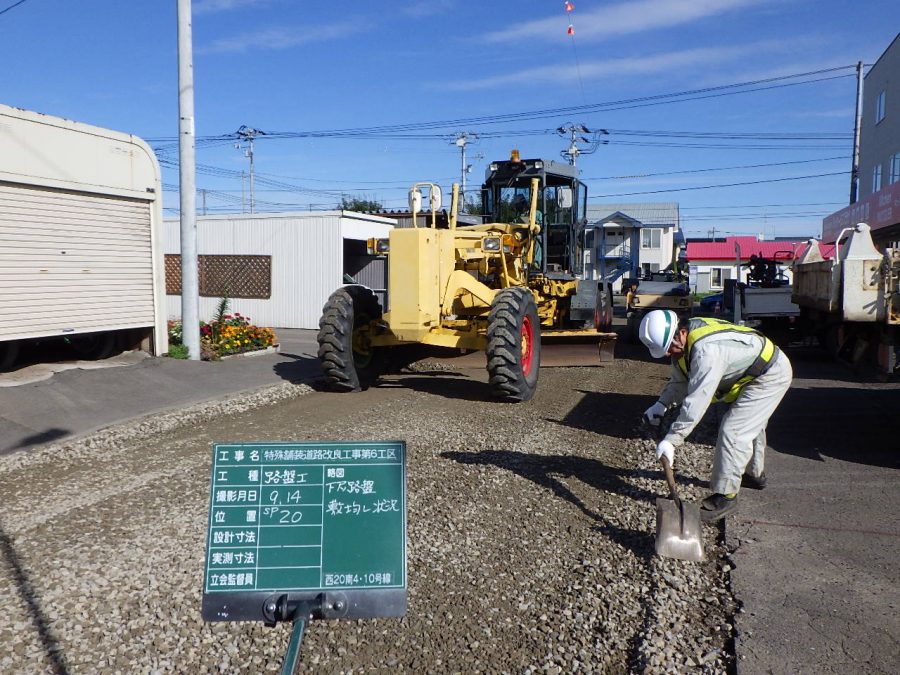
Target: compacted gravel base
[{"x": 531, "y": 530}]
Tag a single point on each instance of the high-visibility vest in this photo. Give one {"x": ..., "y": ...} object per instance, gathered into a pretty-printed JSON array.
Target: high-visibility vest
[{"x": 712, "y": 326}]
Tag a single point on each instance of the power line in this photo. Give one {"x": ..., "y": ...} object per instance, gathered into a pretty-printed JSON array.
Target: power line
[
  {"x": 762, "y": 206},
  {"x": 13, "y": 6},
  {"x": 622, "y": 104},
  {"x": 721, "y": 168},
  {"x": 723, "y": 185}
]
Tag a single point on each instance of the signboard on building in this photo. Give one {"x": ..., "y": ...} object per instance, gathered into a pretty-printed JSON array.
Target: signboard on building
[
  {"x": 878, "y": 210},
  {"x": 321, "y": 523}
]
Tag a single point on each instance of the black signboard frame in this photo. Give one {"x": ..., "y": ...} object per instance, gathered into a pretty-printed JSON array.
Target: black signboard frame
[{"x": 360, "y": 487}]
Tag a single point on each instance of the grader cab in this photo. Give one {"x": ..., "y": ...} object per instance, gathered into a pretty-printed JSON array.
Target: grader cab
[{"x": 494, "y": 287}]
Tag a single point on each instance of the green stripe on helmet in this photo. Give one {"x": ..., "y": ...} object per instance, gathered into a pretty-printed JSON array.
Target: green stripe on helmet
[{"x": 668, "y": 332}]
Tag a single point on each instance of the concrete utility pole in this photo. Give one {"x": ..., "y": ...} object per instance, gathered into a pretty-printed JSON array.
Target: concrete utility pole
[
  {"x": 854, "y": 172},
  {"x": 190, "y": 285},
  {"x": 573, "y": 151},
  {"x": 462, "y": 139},
  {"x": 247, "y": 134}
]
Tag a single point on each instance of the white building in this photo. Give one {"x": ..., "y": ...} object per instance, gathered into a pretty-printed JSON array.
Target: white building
[
  {"x": 276, "y": 268},
  {"x": 632, "y": 240}
]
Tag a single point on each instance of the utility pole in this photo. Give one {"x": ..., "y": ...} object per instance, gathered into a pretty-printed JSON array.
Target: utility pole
[
  {"x": 247, "y": 135},
  {"x": 190, "y": 285},
  {"x": 462, "y": 139},
  {"x": 573, "y": 151},
  {"x": 854, "y": 172}
]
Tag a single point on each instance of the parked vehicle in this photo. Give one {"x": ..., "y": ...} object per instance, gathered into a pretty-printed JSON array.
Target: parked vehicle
[
  {"x": 852, "y": 301},
  {"x": 674, "y": 294}
]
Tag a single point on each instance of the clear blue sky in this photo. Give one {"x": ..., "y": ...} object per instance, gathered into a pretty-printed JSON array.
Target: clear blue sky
[{"x": 290, "y": 67}]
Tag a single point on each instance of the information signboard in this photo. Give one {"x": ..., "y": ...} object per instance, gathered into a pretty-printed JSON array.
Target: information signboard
[{"x": 319, "y": 523}]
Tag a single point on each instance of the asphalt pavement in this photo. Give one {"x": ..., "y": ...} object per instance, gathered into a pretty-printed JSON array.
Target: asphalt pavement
[
  {"x": 46, "y": 402},
  {"x": 815, "y": 562}
]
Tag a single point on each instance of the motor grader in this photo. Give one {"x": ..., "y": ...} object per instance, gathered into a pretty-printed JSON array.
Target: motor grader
[{"x": 496, "y": 286}]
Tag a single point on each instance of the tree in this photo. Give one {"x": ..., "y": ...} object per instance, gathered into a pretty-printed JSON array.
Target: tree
[{"x": 359, "y": 204}]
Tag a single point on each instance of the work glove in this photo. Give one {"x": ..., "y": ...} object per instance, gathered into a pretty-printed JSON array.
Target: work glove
[
  {"x": 667, "y": 449},
  {"x": 654, "y": 414}
]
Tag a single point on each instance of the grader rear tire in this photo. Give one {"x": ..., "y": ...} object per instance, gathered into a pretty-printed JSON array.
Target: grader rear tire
[
  {"x": 348, "y": 361},
  {"x": 514, "y": 345}
]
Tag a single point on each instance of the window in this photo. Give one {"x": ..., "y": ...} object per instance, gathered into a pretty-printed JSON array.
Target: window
[
  {"x": 647, "y": 269},
  {"x": 876, "y": 178},
  {"x": 717, "y": 276},
  {"x": 650, "y": 237},
  {"x": 895, "y": 168},
  {"x": 879, "y": 107}
]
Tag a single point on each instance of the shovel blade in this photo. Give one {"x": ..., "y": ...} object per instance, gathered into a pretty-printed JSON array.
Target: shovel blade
[{"x": 678, "y": 530}]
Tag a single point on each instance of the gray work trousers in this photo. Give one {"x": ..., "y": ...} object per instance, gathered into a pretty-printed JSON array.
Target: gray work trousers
[{"x": 741, "y": 445}]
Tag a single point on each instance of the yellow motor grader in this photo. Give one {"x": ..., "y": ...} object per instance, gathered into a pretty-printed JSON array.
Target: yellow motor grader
[{"x": 498, "y": 286}]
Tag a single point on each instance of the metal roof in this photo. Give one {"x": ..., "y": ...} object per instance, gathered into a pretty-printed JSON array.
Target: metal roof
[
  {"x": 660, "y": 214},
  {"x": 725, "y": 250}
]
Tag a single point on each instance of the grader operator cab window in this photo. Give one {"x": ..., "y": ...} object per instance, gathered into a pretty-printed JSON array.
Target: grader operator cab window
[
  {"x": 515, "y": 203},
  {"x": 561, "y": 207}
]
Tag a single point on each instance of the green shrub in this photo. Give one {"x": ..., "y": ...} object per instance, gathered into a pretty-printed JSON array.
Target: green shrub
[{"x": 178, "y": 351}]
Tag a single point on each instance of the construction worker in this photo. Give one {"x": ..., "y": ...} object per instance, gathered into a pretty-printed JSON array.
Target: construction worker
[
  {"x": 629, "y": 296},
  {"x": 714, "y": 360}
]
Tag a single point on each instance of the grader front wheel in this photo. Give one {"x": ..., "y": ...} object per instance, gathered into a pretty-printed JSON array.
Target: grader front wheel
[
  {"x": 514, "y": 345},
  {"x": 349, "y": 362}
]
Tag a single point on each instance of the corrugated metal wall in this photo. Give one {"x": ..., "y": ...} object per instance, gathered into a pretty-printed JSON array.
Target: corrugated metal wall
[
  {"x": 72, "y": 262},
  {"x": 371, "y": 271},
  {"x": 307, "y": 259}
]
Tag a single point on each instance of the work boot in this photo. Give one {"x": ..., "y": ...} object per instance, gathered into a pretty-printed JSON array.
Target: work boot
[
  {"x": 754, "y": 482},
  {"x": 717, "y": 506}
]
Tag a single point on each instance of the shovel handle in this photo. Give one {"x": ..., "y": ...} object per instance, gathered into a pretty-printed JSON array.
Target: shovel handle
[{"x": 670, "y": 477}]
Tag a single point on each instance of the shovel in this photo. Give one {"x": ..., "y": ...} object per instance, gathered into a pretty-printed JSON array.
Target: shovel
[{"x": 677, "y": 524}]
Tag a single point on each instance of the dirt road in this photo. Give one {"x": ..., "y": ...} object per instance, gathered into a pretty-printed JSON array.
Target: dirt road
[{"x": 530, "y": 537}]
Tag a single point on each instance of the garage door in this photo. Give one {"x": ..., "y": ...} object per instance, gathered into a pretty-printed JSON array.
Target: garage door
[{"x": 73, "y": 262}]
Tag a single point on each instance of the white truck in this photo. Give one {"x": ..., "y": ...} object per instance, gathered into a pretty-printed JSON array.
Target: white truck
[
  {"x": 852, "y": 301},
  {"x": 81, "y": 257}
]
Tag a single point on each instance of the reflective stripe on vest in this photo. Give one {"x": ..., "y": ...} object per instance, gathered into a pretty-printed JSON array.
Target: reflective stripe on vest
[{"x": 716, "y": 327}]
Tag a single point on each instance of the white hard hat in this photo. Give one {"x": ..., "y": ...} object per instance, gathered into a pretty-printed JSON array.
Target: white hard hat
[{"x": 657, "y": 330}]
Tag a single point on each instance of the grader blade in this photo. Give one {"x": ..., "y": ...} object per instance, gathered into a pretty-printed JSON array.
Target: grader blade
[
  {"x": 567, "y": 349},
  {"x": 559, "y": 349}
]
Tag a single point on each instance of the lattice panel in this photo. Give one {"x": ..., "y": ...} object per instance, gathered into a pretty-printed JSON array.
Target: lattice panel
[
  {"x": 173, "y": 274},
  {"x": 233, "y": 276}
]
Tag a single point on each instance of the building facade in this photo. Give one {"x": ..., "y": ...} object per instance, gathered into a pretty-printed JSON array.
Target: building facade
[
  {"x": 878, "y": 202},
  {"x": 631, "y": 240},
  {"x": 277, "y": 268}
]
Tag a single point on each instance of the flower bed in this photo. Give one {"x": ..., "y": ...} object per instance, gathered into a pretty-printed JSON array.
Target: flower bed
[{"x": 229, "y": 335}]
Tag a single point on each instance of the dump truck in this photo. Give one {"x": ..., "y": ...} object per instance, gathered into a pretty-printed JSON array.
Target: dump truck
[
  {"x": 498, "y": 287},
  {"x": 851, "y": 301}
]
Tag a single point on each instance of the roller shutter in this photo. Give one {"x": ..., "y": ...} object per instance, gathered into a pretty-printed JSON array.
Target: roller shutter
[{"x": 73, "y": 262}]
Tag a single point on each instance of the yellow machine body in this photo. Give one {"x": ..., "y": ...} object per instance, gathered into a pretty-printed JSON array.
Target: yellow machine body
[{"x": 436, "y": 295}]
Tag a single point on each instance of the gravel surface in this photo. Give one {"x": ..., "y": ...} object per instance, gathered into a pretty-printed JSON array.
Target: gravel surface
[{"x": 530, "y": 537}]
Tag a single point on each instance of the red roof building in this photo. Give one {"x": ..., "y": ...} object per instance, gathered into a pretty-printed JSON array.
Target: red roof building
[{"x": 712, "y": 262}]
